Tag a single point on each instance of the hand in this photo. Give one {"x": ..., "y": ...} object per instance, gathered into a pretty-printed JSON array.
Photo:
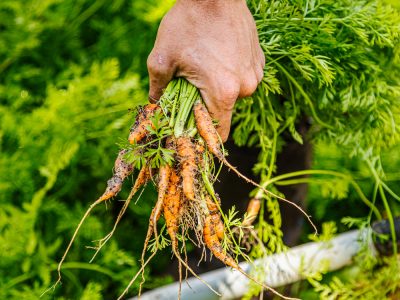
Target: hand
[{"x": 214, "y": 45}]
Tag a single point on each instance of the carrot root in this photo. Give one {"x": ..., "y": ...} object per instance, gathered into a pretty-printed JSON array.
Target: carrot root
[
  {"x": 253, "y": 209},
  {"x": 187, "y": 158},
  {"x": 140, "y": 129}
]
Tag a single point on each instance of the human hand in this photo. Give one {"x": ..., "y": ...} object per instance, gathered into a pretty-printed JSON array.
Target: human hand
[{"x": 214, "y": 45}]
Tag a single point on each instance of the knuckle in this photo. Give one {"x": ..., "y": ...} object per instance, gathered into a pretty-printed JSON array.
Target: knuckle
[
  {"x": 249, "y": 86},
  {"x": 259, "y": 74},
  {"x": 228, "y": 92},
  {"x": 157, "y": 64},
  {"x": 151, "y": 63}
]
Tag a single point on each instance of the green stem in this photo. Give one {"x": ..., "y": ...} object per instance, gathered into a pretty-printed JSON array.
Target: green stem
[
  {"x": 177, "y": 89},
  {"x": 86, "y": 266},
  {"x": 17, "y": 280},
  {"x": 357, "y": 188},
  {"x": 390, "y": 191},
  {"x": 187, "y": 100},
  {"x": 390, "y": 218}
]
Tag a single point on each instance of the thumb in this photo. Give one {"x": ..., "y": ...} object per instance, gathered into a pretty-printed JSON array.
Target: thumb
[{"x": 161, "y": 72}]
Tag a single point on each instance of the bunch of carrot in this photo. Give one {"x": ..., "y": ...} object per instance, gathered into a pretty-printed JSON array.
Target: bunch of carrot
[{"x": 173, "y": 143}]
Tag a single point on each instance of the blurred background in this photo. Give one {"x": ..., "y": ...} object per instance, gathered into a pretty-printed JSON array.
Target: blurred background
[{"x": 70, "y": 73}]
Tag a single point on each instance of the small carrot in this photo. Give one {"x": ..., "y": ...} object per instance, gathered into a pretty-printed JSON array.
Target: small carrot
[
  {"x": 212, "y": 242},
  {"x": 207, "y": 130},
  {"x": 187, "y": 157},
  {"x": 163, "y": 179},
  {"x": 164, "y": 174},
  {"x": 252, "y": 211},
  {"x": 172, "y": 204},
  {"x": 215, "y": 218},
  {"x": 140, "y": 129},
  {"x": 122, "y": 169}
]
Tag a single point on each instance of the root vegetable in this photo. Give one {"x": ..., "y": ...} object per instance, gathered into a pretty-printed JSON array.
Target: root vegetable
[
  {"x": 172, "y": 204},
  {"x": 122, "y": 169},
  {"x": 187, "y": 157},
  {"x": 212, "y": 242},
  {"x": 144, "y": 121},
  {"x": 206, "y": 129},
  {"x": 163, "y": 179},
  {"x": 252, "y": 211},
  {"x": 215, "y": 217}
]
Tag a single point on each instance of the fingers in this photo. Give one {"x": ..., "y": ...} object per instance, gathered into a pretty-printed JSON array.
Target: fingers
[
  {"x": 161, "y": 71},
  {"x": 220, "y": 101},
  {"x": 220, "y": 92}
]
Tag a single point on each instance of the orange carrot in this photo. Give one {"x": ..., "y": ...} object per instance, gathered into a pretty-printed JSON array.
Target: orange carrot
[
  {"x": 172, "y": 204},
  {"x": 215, "y": 217},
  {"x": 212, "y": 242},
  {"x": 252, "y": 211},
  {"x": 164, "y": 174},
  {"x": 163, "y": 179},
  {"x": 207, "y": 130},
  {"x": 140, "y": 129},
  {"x": 187, "y": 158},
  {"x": 121, "y": 170}
]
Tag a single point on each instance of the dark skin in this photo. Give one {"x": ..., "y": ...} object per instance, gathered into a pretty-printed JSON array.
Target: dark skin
[{"x": 214, "y": 45}]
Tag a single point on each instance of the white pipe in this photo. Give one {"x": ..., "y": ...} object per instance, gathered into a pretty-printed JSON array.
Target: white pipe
[{"x": 281, "y": 269}]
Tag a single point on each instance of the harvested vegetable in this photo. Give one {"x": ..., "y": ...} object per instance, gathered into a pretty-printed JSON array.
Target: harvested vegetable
[{"x": 187, "y": 159}]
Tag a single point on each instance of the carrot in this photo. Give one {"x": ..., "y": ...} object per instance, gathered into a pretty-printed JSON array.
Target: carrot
[
  {"x": 172, "y": 207},
  {"x": 163, "y": 179},
  {"x": 172, "y": 204},
  {"x": 142, "y": 178},
  {"x": 140, "y": 129},
  {"x": 187, "y": 157},
  {"x": 207, "y": 130},
  {"x": 215, "y": 218},
  {"x": 212, "y": 242},
  {"x": 252, "y": 211},
  {"x": 122, "y": 169}
]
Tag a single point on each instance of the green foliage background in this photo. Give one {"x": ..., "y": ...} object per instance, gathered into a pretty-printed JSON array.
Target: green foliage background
[{"x": 69, "y": 73}]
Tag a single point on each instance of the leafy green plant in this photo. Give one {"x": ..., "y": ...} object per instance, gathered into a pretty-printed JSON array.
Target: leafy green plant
[
  {"x": 335, "y": 63},
  {"x": 69, "y": 74}
]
